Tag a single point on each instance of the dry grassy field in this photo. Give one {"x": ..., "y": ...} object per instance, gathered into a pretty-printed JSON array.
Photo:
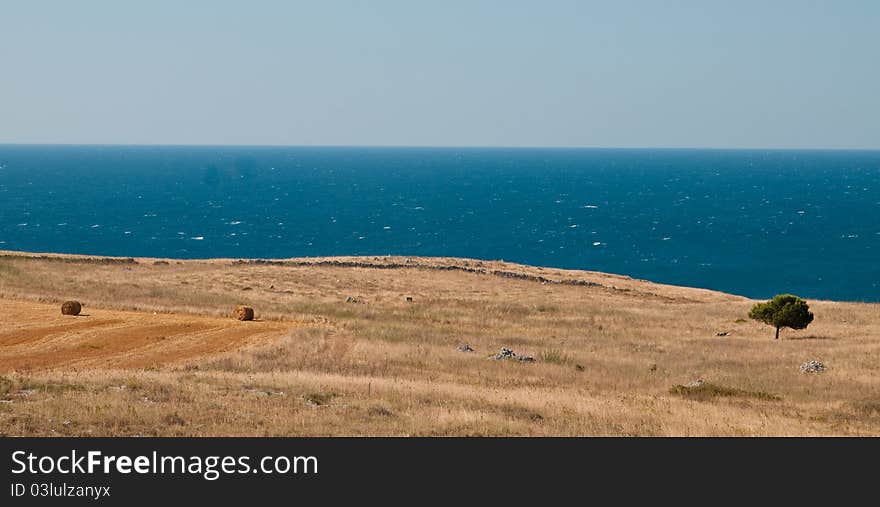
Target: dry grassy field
[{"x": 369, "y": 346}]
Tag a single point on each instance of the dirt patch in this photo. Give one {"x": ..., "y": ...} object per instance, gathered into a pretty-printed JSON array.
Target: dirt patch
[
  {"x": 30, "y": 334},
  {"x": 126, "y": 340}
]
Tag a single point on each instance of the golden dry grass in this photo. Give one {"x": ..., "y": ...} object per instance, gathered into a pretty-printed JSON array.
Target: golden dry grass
[{"x": 609, "y": 352}]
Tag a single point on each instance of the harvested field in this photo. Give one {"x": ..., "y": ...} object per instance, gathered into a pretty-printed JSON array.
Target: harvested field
[{"x": 35, "y": 337}]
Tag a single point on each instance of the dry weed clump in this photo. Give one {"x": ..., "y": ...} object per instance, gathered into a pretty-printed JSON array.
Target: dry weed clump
[{"x": 704, "y": 391}]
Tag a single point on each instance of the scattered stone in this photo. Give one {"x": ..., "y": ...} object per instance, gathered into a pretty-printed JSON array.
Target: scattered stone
[
  {"x": 813, "y": 367},
  {"x": 506, "y": 353},
  {"x": 264, "y": 392},
  {"x": 465, "y": 348},
  {"x": 722, "y": 333},
  {"x": 71, "y": 308}
]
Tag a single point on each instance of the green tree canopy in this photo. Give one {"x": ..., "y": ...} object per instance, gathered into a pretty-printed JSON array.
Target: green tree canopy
[{"x": 784, "y": 310}]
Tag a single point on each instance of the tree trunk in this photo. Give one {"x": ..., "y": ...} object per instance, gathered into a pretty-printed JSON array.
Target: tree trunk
[{"x": 777, "y": 333}]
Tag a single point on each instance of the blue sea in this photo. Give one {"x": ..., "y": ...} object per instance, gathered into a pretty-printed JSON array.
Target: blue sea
[{"x": 749, "y": 222}]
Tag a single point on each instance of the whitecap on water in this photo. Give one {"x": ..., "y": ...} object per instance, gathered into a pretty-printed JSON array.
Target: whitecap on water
[
  {"x": 235, "y": 222},
  {"x": 597, "y": 243},
  {"x": 197, "y": 238},
  {"x": 96, "y": 226},
  {"x": 589, "y": 206}
]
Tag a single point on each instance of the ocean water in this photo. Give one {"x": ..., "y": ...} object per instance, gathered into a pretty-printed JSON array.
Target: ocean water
[{"x": 754, "y": 223}]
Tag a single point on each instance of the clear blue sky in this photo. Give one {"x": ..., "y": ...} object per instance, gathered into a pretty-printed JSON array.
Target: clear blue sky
[{"x": 796, "y": 74}]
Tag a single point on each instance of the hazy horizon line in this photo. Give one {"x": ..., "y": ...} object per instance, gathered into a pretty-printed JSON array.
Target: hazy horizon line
[{"x": 451, "y": 146}]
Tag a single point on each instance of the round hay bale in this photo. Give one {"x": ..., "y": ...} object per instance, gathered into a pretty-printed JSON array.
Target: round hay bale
[
  {"x": 71, "y": 308},
  {"x": 244, "y": 312}
]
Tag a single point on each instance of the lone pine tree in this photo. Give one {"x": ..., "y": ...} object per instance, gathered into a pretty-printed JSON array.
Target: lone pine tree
[{"x": 784, "y": 310}]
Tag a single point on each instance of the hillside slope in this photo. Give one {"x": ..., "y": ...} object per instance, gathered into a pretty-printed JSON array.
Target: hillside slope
[{"x": 370, "y": 346}]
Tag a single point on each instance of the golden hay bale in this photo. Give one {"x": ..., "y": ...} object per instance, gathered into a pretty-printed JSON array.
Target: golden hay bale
[
  {"x": 244, "y": 312},
  {"x": 71, "y": 308}
]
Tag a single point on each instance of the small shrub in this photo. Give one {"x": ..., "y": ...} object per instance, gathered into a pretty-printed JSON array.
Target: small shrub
[
  {"x": 555, "y": 356},
  {"x": 519, "y": 412},
  {"x": 545, "y": 308},
  {"x": 379, "y": 411},
  {"x": 319, "y": 399},
  {"x": 6, "y": 386},
  {"x": 705, "y": 391},
  {"x": 174, "y": 420},
  {"x": 50, "y": 386},
  {"x": 867, "y": 408}
]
